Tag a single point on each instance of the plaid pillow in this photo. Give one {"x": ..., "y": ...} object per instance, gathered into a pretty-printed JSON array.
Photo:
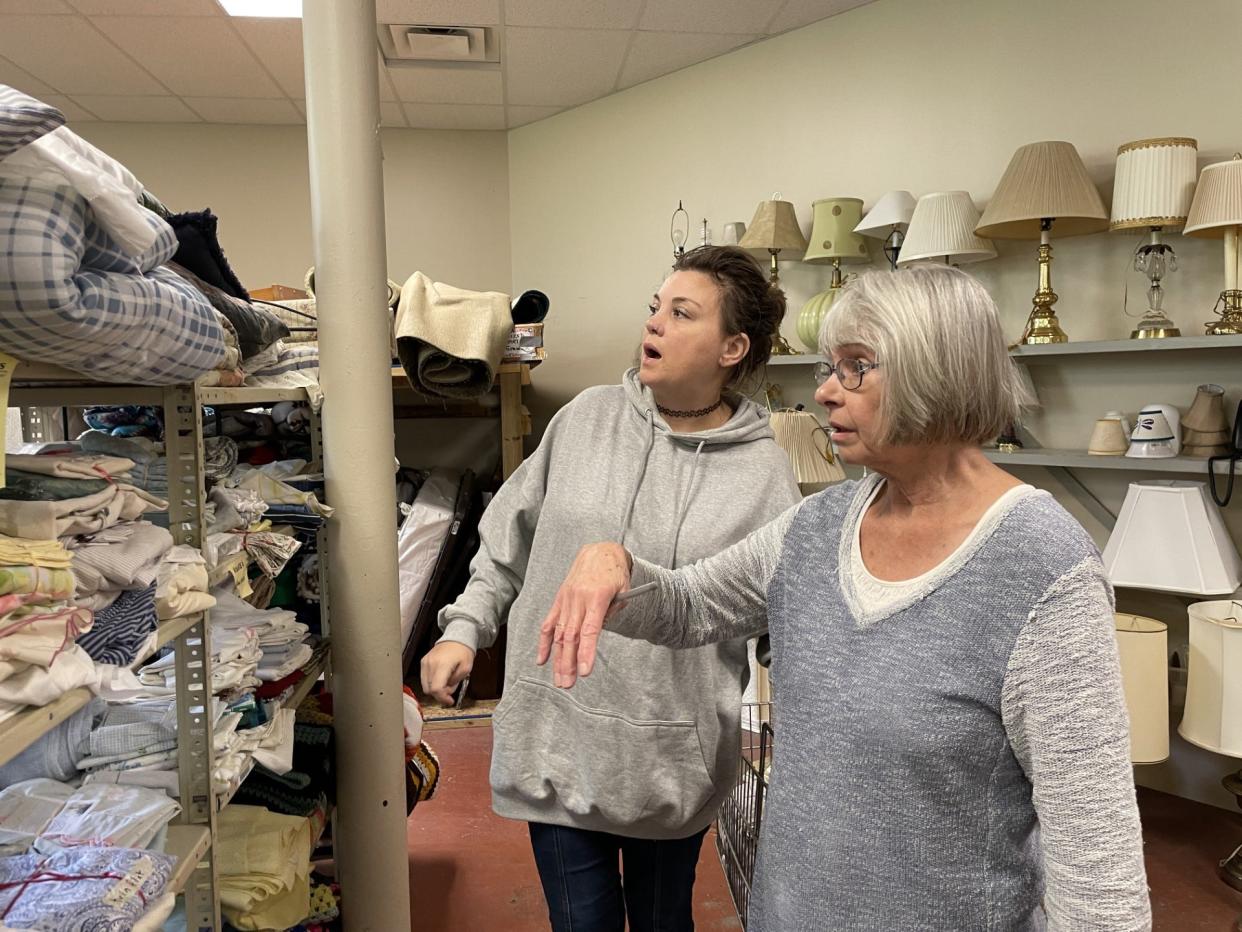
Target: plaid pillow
[{"x": 24, "y": 119}]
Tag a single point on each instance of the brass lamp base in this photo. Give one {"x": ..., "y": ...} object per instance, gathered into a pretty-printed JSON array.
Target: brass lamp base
[
  {"x": 1230, "y": 323},
  {"x": 781, "y": 347},
  {"x": 1043, "y": 327},
  {"x": 1155, "y": 328}
]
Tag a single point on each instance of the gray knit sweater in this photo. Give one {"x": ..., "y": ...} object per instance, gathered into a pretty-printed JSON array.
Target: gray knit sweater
[{"x": 955, "y": 762}]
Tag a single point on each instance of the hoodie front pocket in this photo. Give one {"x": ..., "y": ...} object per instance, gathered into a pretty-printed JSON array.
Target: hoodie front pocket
[{"x": 550, "y": 749}]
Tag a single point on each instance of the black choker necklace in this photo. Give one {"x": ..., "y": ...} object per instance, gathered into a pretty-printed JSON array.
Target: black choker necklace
[{"x": 688, "y": 415}]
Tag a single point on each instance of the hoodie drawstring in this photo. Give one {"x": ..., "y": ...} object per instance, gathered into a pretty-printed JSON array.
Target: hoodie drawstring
[
  {"x": 642, "y": 472},
  {"x": 685, "y": 506}
]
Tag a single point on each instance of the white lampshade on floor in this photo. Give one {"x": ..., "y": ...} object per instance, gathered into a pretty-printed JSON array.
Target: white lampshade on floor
[
  {"x": 943, "y": 227},
  {"x": 1213, "y": 717},
  {"x": 1142, "y": 645},
  {"x": 1170, "y": 537}
]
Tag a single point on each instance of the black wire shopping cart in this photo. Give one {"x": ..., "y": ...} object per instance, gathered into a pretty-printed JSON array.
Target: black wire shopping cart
[{"x": 737, "y": 825}]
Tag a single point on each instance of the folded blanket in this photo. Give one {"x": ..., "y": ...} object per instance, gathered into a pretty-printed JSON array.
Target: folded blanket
[
  {"x": 124, "y": 556},
  {"x": 55, "y": 755},
  {"x": 19, "y": 551},
  {"x": 43, "y": 520},
  {"x": 121, "y": 630},
  {"x": 57, "y": 585},
  {"x": 450, "y": 341},
  {"x": 256, "y": 327},
  {"x": 71, "y": 466},
  {"x": 32, "y": 487},
  {"x": 24, "y": 119},
  {"x": 181, "y": 584}
]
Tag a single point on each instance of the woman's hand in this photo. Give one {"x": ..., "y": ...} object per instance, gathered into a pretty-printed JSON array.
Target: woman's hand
[
  {"x": 443, "y": 667},
  {"x": 570, "y": 632}
]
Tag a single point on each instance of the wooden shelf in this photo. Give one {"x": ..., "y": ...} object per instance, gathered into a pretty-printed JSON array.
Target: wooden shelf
[
  {"x": 1102, "y": 347},
  {"x": 188, "y": 844},
  {"x": 1079, "y": 459},
  {"x": 29, "y": 725},
  {"x": 314, "y": 669}
]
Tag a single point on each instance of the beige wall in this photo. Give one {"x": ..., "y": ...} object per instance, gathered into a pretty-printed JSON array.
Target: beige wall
[
  {"x": 898, "y": 94},
  {"x": 446, "y": 195}
]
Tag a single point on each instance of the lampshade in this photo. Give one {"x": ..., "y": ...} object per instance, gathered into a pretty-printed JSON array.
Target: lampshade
[
  {"x": 1044, "y": 180},
  {"x": 832, "y": 231},
  {"x": 1170, "y": 538},
  {"x": 1155, "y": 183},
  {"x": 1217, "y": 203},
  {"x": 1142, "y": 646},
  {"x": 894, "y": 209},
  {"x": 944, "y": 226},
  {"x": 795, "y": 434},
  {"x": 1213, "y": 716},
  {"x": 774, "y": 226}
]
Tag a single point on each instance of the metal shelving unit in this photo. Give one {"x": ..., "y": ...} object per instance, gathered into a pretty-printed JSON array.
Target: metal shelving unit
[{"x": 191, "y": 839}]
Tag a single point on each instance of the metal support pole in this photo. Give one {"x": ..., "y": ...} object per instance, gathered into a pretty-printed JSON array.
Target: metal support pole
[{"x": 347, "y": 219}]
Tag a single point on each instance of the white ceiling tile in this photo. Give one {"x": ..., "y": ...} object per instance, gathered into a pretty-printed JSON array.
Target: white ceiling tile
[
  {"x": 138, "y": 109},
  {"x": 520, "y": 116},
  {"x": 387, "y": 92},
  {"x": 582, "y": 14},
  {"x": 73, "y": 113},
  {"x": 430, "y": 84},
  {"x": 244, "y": 110},
  {"x": 149, "y": 7},
  {"x": 439, "y": 12},
  {"x": 653, "y": 54},
  {"x": 278, "y": 44},
  {"x": 192, "y": 56},
  {"x": 27, "y": 83},
  {"x": 798, "y": 13},
  {"x": 565, "y": 67},
  {"x": 34, "y": 6},
  {"x": 737, "y": 16},
  {"x": 67, "y": 53},
  {"x": 454, "y": 116}
]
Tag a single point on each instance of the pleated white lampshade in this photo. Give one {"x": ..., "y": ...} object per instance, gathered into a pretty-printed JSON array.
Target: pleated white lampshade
[
  {"x": 1213, "y": 716},
  {"x": 1217, "y": 203},
  {"x": 1142, "y": 645},
  {"x": 1170, "y": 537},
  {"x": 943, "y": 226},
  {"x": 1155, "y": 183},
  {"x": 796, "y": 433}
]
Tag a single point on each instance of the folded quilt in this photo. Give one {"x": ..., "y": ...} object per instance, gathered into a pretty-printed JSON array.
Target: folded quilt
[
  {"x": 450, "y": 341},
  {"x": 20, "y": 551},
  {"x": 86, "y": 515},
  {"x": 37, "y": 686},
  {"x": 124, "y": 556},
  {"x": 55, "y": 755},
  {"x": 71, "y": 466},
  {"x": 264, "y": 867},
  {"x": 32, "y": 487},
  {"x": 57, "y": 585},
  {"x": 256, "y": 327},
  {"x": 34, "y": 635},
  {"x": 140, "y": 450},
  {"x": 73, "y": 296},
  {"x": 121, "y": 630}
]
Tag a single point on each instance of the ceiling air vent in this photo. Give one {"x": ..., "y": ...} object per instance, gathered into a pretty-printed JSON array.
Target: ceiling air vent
[{"x": 408, "y": 44}]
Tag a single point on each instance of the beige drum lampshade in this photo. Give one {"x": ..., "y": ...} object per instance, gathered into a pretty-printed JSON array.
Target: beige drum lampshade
[
  {"x": 1142, "y": 645},
  {"x": 1213, "y": 716},
  {"x": 1155, "y": 183},
  {"x": 1044, "y": 180}
]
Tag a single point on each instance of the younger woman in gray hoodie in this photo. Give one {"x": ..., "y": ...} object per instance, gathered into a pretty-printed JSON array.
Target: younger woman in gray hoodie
[{"x": 676, "y": 466}]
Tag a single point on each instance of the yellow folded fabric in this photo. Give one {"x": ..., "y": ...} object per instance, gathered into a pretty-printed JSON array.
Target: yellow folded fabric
[
  {"x": 19, "y": 551},
  {"x": 264, "y": 863}
]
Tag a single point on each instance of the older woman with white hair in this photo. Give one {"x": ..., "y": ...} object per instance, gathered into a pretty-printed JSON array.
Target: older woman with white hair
[{"x": 953, "y": 748}]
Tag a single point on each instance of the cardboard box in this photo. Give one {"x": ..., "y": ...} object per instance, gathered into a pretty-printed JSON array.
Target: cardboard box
[{"x": 525, "y": 343}]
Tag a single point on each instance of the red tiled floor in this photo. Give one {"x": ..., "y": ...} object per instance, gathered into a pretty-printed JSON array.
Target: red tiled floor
[{"x": 472, "y": 871}]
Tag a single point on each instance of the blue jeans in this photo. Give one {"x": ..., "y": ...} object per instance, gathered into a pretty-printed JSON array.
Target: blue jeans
[{"x": 593, "y": 881}]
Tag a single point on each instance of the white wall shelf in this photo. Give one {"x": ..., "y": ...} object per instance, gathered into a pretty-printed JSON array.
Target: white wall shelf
[
  {"x": 802, "y": 359},
  {"x": 1078, "y": 459},
  {"x": 1101, "y": 347}
]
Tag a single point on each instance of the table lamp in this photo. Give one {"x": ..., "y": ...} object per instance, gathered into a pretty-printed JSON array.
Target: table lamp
[
  {"x": 1142, "y": 648},
  {"x": 1045, "y": 183},
  {"x": 775, "y": 228},
  {"x": 943, "y": 227},
  {"x": 1153, "y": 189},
  {"x": 832, "y": 240},
  {"x": 1217, "y": 211},
  {"x": 888, "y": 221},
  {"x": 795, "y": 430}
]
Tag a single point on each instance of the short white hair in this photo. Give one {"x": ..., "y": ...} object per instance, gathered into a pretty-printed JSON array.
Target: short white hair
[{"x": 948, "y": 376}]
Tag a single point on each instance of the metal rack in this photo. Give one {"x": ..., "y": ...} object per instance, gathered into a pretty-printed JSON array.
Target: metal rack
[{"x": 192, "y": 839}]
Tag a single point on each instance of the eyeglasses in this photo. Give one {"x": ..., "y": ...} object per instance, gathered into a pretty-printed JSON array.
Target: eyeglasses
[{"x": 849, "y": 372}]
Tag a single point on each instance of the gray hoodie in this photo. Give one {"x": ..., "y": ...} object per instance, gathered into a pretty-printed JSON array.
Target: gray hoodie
[{"x": 646, "y": 746}]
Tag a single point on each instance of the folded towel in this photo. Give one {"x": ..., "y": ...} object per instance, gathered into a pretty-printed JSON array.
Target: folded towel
[{"x": 450, "y": 341}]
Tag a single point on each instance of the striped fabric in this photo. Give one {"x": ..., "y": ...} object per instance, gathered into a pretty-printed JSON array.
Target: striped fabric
[
  {"x": 292, "y": 358},
  {"x": 121, "y": 629},
  {"x": 70, "y": 295},
  {"x": 24, "y": 119}
]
